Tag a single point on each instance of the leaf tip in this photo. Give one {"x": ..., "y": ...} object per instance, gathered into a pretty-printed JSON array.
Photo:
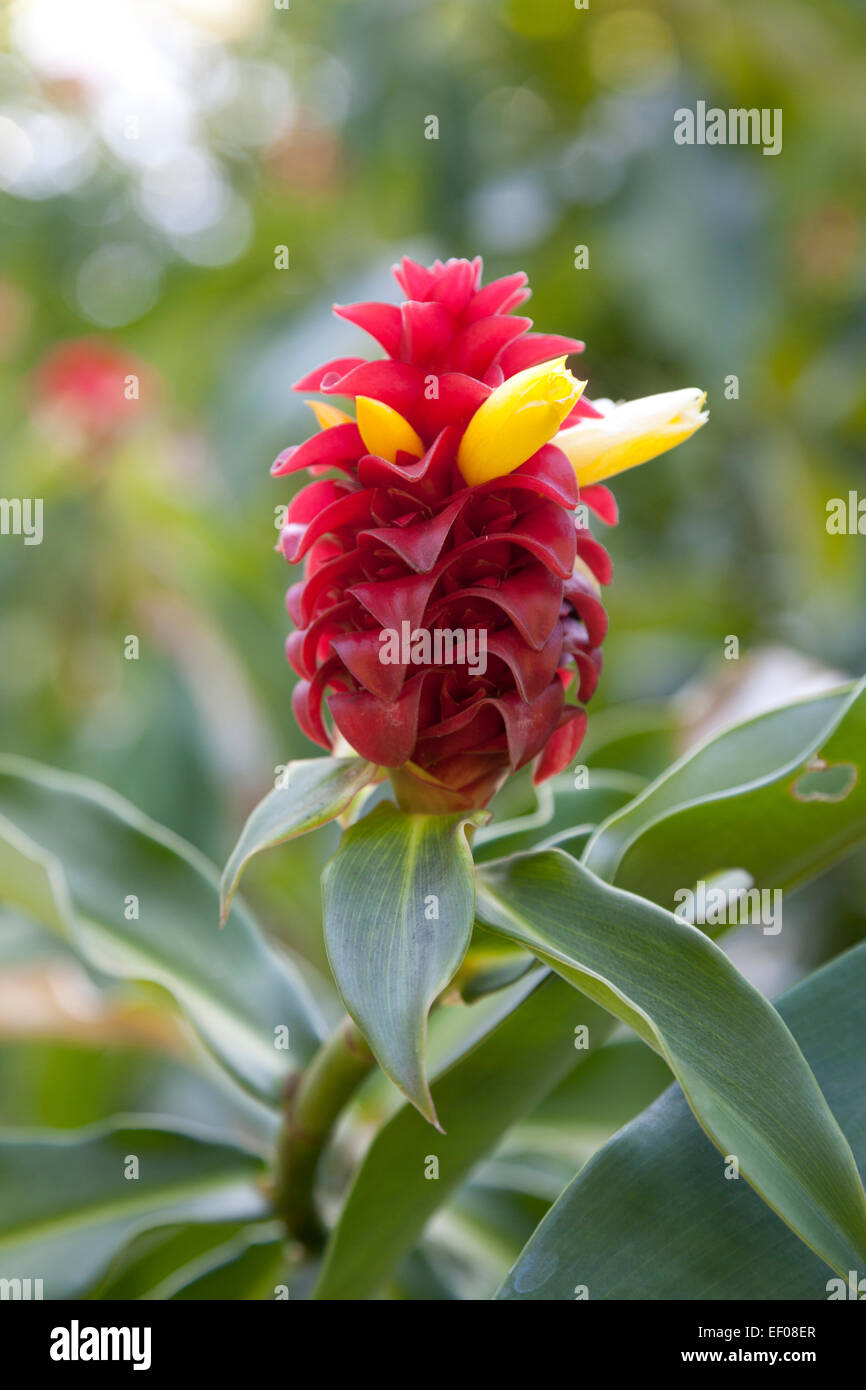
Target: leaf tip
[
  {"x": 427, "y": 1108},
  {"x": 227, "y": 892}
]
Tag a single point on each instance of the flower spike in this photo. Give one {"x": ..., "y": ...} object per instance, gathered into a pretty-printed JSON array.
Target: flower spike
[{"x": 450, "y": 618}]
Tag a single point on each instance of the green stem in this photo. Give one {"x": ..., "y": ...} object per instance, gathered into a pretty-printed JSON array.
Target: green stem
[{"x": 313, "y": 1107}]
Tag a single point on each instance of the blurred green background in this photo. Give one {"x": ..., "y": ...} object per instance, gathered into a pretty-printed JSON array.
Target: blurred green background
[{"x": 154, "y": 155}]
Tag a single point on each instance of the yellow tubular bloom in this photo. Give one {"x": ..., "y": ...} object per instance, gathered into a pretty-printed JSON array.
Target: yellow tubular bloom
[
  {"x": 516, "y": 420},
  {"x": 632, "y": 433},
  {"x": 385, "y": 432},
  {"x": 328, "y": 415}
]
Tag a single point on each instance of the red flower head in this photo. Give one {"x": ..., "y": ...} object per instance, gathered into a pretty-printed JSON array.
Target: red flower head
[
  {"x": 450, "y": 616},
  {"x": 89, "y": 389}
]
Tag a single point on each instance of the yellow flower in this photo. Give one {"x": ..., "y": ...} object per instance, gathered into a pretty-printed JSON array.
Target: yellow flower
[
  {"x": 385, "y": 432},
  {"x": 328, "y": 415},
  {"x": 632, "y": 433},
  {"x": 516, "y": 419}
]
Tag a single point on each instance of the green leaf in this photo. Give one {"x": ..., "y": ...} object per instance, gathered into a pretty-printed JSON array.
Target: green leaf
[
  {"x": 741, "y": 1071},
  {"x": 69, "y": 1204},
  {"x": 478, "y": 1098},
  {"x": 158, "y": 1254},
  {"x": 31, "y": 881},
  {"x": 563, "y": 810},
  {"x": 489, "y": 965},
  {"x": 54, "y": 1084},
  {"x": 398, "y": 912},
  {"x": 247, "y": 1268},
  {"x": 653, "y": 1217},
  {"x": 634, "y": 738},
  {"x": 476, "y": 1239},
  {"x": 84, "y": 859},
  {"x": 492, "y": 1215},
  {"x": 743, "y": 801},
  {"x": 613, "y": 1085},
  {"x": 782, "y": 832},
  {"x": 313, "y": 791}
]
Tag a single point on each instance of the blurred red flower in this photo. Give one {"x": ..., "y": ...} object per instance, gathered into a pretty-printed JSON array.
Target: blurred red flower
[{"x": 90, "y": 391}]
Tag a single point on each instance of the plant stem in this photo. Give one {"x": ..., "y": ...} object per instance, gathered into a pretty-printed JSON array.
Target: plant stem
[{"x": 313, "y": 1106}]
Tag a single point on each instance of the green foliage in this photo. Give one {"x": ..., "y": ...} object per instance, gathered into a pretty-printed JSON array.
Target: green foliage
[
  {"x": 744, "y": 800},
  {"x": 707, "y": 265},
  {"x": 398, "y": 909},
  {"x": 311, "y": 792},
  {"x": 71, "y": 1202},
  {"x": 138, "y": 903},
  {"x": 653, "y": 1216},
  {"x": 738, "y": 1065},
  {"x": 408, "y": 1172},
  {"x": 523, "y": 1093}
]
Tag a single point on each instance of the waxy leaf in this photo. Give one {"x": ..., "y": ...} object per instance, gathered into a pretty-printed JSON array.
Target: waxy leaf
[
  {"x": 312, "y": 791},
  {"x": 145, "y": 1266},
  {"x": 782, "y": 830},
  {"x": 654, "y": 1216},
  {"x": 55, "y": 1083},
  {"x": 250, "y": 1266},
  {"x": 746, "y": 800},
  {"x": 398, "y": 912},
  {"x": 479, "y": 1097},
  {"x": 137, "y": 902},
  {"x": 740, "y": 1069},
  {"x": 69, "y": 1203},
  {"x": 564, "y": 811}
]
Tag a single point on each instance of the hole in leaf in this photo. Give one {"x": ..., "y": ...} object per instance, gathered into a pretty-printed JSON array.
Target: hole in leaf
[{"x": 823, "y": 781}]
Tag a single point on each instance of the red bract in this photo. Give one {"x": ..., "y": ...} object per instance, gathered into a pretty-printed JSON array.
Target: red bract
[
  {"x": 91, "y": 388},
  {"x": 387, "y": 543}
]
